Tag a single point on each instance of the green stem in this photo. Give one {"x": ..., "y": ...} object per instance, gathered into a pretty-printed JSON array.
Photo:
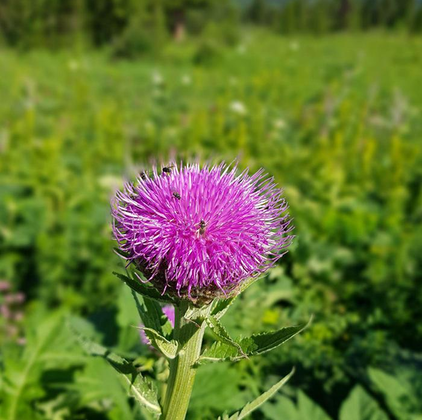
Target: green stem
[{"x": 182, "y": 373}]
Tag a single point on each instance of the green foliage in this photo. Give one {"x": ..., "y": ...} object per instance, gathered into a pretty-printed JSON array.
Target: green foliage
[
  {"x": 399, "y": 395},
  {"x": 221, "y": 334},
  {"x": 324, "y": 16},
  {"x": 22, "y": 383},
  {"x": 342, "y": 137},
  {"x": 361, "y": 406},
  {"x": 257, "y": 402},
  {"x": 228, "y": 349},
  {"x": 145, "y": 33},
  {"x": 143, "y": 289},
  {"x": 100, "y": 392},
  {"x": 208, "y": 52},
  {"x": 304, "y": 409},
  {"x": 134, "y": 28},
  {"x": 189, "y": 322},
  {"x": 51, "y": 379},
  {"x": 218, "y": 388},
  {"x": 152, "y": 316},
  {"x": 143, "y": 391},
  {"x": 167, "y": 347}
]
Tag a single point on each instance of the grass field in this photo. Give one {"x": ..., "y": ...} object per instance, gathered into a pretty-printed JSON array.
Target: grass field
[{"x": 337, "y": 121}]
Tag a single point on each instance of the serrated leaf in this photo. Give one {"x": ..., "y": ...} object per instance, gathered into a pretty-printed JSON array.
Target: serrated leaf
[
  {"x": 143, "y": 393},
  {"x": 167, "y": 347},
  {"x": 138, "y": 387},
  {"x": 221, "y": 333},
  {"x": 143, "y": 289},
  {"x": 260, "y": 400},
  {"x": 251, "y": 346},
  {"x": 221, "y": 307},
  {"x": 195, "y": 314}
]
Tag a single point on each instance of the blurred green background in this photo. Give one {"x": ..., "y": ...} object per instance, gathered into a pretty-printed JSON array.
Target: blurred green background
[{"x": 326, "y": 95}]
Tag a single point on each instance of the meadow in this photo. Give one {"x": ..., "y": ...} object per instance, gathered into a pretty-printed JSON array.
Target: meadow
[{"x": 336, "y": 119}]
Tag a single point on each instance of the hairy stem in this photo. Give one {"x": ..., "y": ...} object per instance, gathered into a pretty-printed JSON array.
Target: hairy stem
[{"x": 189, "y": 335}]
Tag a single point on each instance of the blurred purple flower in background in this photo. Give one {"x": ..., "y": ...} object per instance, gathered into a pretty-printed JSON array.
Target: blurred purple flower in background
[
  {"x": 200, "y": 232},
  {"x": 4, "y": 285},
  {"x": 11, "y": 314},
  {"x": 168, "y": 311}
]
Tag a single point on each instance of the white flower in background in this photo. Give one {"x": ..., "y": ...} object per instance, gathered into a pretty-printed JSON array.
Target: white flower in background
[
  {"x": 186, "y": 80},
  {"x": 157, "y": 79},
  {"x": 294, "y": 46},
  {"x": 280, "y": 124},
  {"x": 74, "y": 65},
  {"x": 238, "y": 108}
]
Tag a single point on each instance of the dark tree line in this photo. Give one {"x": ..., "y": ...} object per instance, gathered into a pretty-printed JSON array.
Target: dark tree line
[
  {"x": 53, "y": 23},
  {"x": 144, "y": 25},
  {"x": 323, "y": 16}
]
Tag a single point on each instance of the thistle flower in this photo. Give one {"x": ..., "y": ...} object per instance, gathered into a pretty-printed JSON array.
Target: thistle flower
[{"x": 199, "y": 233}]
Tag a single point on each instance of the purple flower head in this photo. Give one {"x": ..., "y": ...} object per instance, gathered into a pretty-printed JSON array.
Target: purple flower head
[{"x": 198, "y": 233}]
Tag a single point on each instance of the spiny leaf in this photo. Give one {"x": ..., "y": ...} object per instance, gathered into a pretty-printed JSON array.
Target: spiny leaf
[
  {"x": 168, "y": 348},
  {"x": 138, "y": 387},
  {"x": 142, "y": 289},
  {"x": 142, "y": 391},
  {"x": 221, "y": 333},
  {"x": 221, "y": 307},
  {"x": 253, "y": 405},
  {"x": 195, "y": 314},
  {"x": 251, "y": 346}
]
